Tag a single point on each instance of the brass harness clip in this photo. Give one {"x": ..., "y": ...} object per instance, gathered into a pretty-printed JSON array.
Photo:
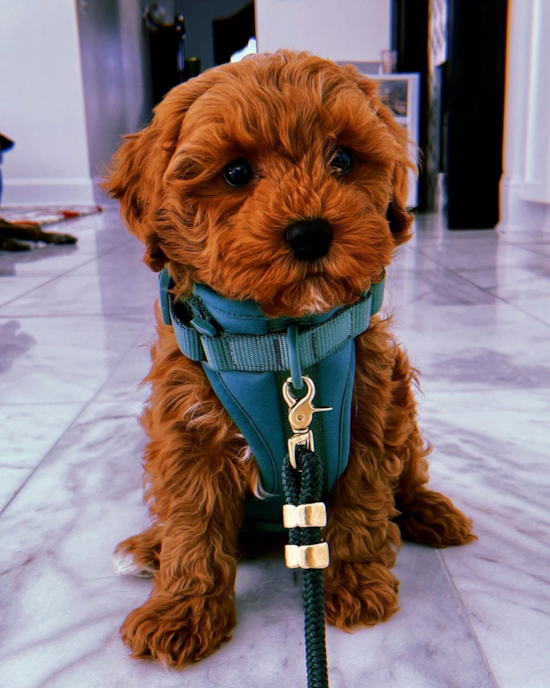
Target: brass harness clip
[
  {"x": 300, "y": 415},
  {"x": 312, "y": 515}
]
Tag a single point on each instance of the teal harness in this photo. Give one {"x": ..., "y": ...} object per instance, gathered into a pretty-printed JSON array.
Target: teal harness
[{"x": 247, "y": 357}]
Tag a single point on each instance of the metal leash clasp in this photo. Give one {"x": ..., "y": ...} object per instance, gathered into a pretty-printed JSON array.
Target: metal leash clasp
[{"x": 300, "y": 415}]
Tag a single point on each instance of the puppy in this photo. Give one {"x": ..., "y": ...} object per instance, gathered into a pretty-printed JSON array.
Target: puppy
[{"x": 230, "y": 160}]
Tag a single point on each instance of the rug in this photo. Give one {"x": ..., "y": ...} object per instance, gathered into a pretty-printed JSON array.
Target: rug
[{"x": 43, "y": 216}]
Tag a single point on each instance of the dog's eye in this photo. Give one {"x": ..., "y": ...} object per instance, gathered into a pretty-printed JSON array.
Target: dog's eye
[
  {"x": 342, "y": 161},
  {"x": 238, "y": 173}
]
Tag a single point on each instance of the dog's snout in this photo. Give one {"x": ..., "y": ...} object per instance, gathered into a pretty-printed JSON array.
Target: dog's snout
[{"x": 309, "y": 239}]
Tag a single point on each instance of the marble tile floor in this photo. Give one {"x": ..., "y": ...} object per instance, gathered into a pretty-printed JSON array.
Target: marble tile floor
[{"x": 473, "y": 311}]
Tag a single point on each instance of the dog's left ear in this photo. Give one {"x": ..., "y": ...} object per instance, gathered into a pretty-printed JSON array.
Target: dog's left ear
[{"x": 399, "y": 218}]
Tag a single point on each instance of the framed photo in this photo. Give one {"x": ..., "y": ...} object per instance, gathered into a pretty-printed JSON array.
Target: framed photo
[{"x": 395, "y": 94}]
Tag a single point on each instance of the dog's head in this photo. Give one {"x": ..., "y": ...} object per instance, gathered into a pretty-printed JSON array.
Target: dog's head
[{"x": 273, "y": 180}]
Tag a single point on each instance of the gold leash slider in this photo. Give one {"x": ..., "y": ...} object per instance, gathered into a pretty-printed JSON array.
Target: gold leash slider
[
  {"x": 307, "y": 556},
  {"x": 300, "y": 415},
  {"x": 305, "y": 515}
]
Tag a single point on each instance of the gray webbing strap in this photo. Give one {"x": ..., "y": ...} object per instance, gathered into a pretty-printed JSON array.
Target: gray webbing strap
[{"x": 270, "y": 352}]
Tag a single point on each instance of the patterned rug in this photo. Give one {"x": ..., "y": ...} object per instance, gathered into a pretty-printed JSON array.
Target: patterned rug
[{"x": 42, "y": 216}]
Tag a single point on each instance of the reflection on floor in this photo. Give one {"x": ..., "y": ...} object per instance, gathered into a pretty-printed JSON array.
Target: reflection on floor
[{"x": 474, "y": 314}]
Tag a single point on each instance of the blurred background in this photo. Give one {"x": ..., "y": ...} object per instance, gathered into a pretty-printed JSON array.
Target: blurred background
[{"x": 466, "y": 79}]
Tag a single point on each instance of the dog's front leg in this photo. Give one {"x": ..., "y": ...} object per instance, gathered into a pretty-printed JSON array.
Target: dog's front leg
[
  {"x": 360, "y": 589},
  {"x": 191, "y": 610}
]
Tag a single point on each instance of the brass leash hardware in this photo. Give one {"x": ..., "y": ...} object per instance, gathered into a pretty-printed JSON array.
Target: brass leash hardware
[
  {"x": 307, "y": 556},
  {"x": 312, "y": 515},
  {"x": 300, "y": 415}
]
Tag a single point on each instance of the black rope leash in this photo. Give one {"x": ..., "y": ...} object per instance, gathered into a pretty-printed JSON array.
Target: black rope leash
[{"x": 306, "y": 549}]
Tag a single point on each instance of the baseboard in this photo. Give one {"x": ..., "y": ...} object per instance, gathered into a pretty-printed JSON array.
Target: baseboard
[
  {"x": 100, "y": 196},
  {"x": 47, "y": 192},
  {"x": 517, "y": 216}
]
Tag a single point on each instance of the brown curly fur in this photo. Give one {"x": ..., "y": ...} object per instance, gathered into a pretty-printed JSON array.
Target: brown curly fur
[{"x": 286, "y": 113}]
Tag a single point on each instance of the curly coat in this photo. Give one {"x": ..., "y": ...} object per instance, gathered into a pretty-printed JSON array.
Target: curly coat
[{"x": 286, "y": 113}]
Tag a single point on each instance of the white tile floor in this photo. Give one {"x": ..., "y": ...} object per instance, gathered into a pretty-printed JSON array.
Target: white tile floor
[{"x": 474, "y": 313}]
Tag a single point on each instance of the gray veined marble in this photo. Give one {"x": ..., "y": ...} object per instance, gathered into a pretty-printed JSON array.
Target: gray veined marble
[
  {"x": 26, "y": 438},
  {"x": 75, "y": 327}
]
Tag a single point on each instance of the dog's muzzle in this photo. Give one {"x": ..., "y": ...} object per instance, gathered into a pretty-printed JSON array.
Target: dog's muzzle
[{"x": 309, "y": 239}]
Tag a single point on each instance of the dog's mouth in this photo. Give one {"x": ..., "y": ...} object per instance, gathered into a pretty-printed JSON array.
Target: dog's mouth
[{"x": 284, "y": 286}]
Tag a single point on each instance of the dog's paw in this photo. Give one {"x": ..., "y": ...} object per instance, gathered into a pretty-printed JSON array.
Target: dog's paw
[
  {"x": 124, "y": 564},
  {"x": 361, "y": 594},
  {"x": 139, "y": 555},
  {"x": 176, "y": 631},
  {"x": 432, "y": 519}
]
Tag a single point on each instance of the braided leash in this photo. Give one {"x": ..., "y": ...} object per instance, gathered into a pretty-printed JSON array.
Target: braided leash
[{"x": 303, "y": 487}]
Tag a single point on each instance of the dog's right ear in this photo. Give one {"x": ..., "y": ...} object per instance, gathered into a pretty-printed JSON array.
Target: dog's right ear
[{"x": 136, "y": 174}]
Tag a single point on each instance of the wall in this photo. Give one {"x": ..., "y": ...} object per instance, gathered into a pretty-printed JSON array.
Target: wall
[
  {"x": 101, "y": 56},
  {"x": 72, "y": 85},
  {"x": 42, "y": 105},
  {"x": 135, "y": 64},
  {"x": 115, "y": 71},
  {"x": 525, "y": 185},
  {"x": 355, "y": 30}
]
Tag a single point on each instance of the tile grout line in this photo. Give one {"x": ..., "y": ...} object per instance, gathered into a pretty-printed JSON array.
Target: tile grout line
[
  {"x": 477, "y": 641},
  {"x": 130, "y": 317},
  {"x": 40, "y": 403},
  {"x": 61, "y": 274},
  {"x": 486, "y": 291},
  {"x": 74, "y": 420},
  {"x": 529, "y": 250},
  {"x": 502, "y": 300}
]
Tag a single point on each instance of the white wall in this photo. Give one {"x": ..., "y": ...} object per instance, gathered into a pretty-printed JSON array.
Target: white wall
[
  {"x": 354, "y": 30},
  {"x": 42, "y": 104},
  {"x": 525, "y": 185},
  {"x": 70, "y": 86}
]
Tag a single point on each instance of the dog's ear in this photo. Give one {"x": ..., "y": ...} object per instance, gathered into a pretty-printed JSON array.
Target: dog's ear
[
  {"x": 136, "y": 174},
  {"x": 399, "y": 218}
]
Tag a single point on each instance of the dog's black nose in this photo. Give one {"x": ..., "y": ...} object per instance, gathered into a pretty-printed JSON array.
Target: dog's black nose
[{"x": 309, "y": 239}]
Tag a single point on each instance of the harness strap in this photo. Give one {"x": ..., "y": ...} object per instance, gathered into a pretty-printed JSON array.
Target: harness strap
[{"x": 270, "y": 352}]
